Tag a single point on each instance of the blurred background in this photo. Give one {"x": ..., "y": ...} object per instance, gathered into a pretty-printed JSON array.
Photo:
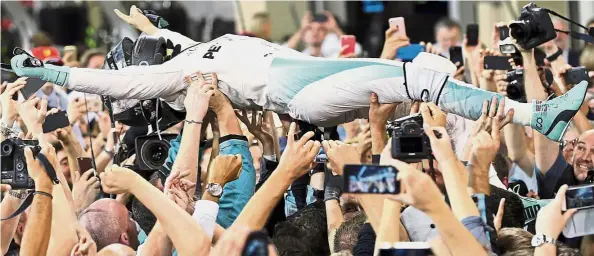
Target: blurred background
[{"x": 93, "y": 24}]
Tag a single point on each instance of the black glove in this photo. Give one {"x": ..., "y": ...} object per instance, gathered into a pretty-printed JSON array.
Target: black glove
[
  {"x": 157, "y": 20},
  {"x": 334, "y": 187}
]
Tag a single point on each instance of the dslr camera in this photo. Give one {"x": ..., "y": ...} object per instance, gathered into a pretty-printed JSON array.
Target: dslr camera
[
  {"x": 515, "y": 88},
  {"x": 409, "y": 141},
  {"x": 14, "y": 165},
  {"x": 151, "y": 152},
  {"x": 533, "y": 28}
]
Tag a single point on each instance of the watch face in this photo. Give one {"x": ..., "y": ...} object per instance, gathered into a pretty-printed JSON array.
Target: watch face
[
  {"x": 537, "y": 240},
  {"x": 215, "y": 189}
]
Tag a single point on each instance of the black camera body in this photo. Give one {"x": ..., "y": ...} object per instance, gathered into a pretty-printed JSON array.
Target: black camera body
[
  {"x": 515, "y": 88},
  {"x": 151, "y": 152},
  {"x": 14, "y": 165},
  {"x": 409, "y": 141},
  {"x": 533, "y": 28}
]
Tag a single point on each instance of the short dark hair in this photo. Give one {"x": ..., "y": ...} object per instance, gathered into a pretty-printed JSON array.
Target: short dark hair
[
  {"x": 89, "y": 54},
  {"x": 516, "y": 241},
  {"x": 312, "y": 221},
  {"x": 513, "y": 216},
  {"x": 447, "y": 23},
  {"x": 347, "y": 234},
  {"x": 143, "y": 216},
  {"x": 288, "y": 240}
]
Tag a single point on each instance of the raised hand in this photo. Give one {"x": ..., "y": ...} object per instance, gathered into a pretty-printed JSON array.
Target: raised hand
[
  {"x": 76, "y": 110},
  {"x": 379, "y": 112},
  {"x": 498, "y": 218},
  {"x": 393, "y": 43},
  {"x": 33, "y": 114},
  {"x": 492, "y": 117},
  {"x": 197, "y": 97},
  {"x": 299, "y": 155},
  {"x": 339, "y": 154},
  {"x": 85, "y": 189},
  {"x": 432, "y": 115},
  {"x": 10, "y": 110},
  {"x": 137, "y": 20},
  {"x": 118, "y": 180},
  {"x": 182, "y": 197},
  {"x": 256, "y": 126},
  {"x": 550, "y": 219},
  {"x": 225, "y": 168}
]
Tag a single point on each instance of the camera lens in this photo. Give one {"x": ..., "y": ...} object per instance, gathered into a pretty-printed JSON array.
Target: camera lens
[
  {"x": 514, "y": 91},
  {"x": 6, "y": 149},
  {"x": 519, "y": 30},
  {"x": 154, "y": 153}
]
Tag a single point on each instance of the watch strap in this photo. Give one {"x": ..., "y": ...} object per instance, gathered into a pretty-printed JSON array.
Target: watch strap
[{"x": 555, "y": 55}]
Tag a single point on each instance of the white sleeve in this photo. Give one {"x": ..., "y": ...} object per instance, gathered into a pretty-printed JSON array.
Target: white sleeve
[
  {"x": 176, "y": 38},
  {"x": 134, "y": 82},
  {"x": 205, "y": 213}
]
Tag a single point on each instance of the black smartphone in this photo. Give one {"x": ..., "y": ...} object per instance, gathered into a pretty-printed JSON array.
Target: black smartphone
[
  {"x": 256, "y": 244},
  {"x": 503, "y": 32},
  {"x": 472, "y": 34},
  {"x": 576, "y": 75},
  {"x": 456, "y": 55},
  {"x": 371, "y": 179},
  {"x": 405, "y": 252},
  {"x": 579, "y": 197},
  {"x": 33, "y": 85},
  {"x": 84, "y": 164},
  {"x": 497, "y": 63},
  {"x": 55, "y": 121}
]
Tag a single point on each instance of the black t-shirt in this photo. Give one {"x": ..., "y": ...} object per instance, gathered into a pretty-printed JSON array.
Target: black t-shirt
[{"x": 559, "y": 174}]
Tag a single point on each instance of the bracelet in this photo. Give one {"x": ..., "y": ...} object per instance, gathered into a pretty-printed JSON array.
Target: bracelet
[
  {"x": 109, "y": 152},
  {"x": 555, "y": 55},
  {"x": 43, "y": 193},
  {"x": 18, "y": 194},
  {"x": 192, "y": 122},
  {"x": 6, "y": 131}
]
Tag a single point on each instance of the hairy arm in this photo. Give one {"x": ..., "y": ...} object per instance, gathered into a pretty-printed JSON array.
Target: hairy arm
[
  {"x": 515, "y": 140},
  {"x": 8, "y": 228},
  {"x": 187, "y": 156},
  {"x": 462, "y": 204},
  {"x": 334, "y": 217},
  {"x": 37, "y": 232},
  {"x": 546, "y": 150},
  {"x": 157, "y": 243}
]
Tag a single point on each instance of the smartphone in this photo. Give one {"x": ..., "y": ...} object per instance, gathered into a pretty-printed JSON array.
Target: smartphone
[
  {"x": 95, "y": 105},
  {"x": 497, "y": 63},
  {"x": 503, "y": 32},
  {"x": 349, "y": 41},
  {"x": 55, "y": 121},
  {"x": 371, "y": 179},
  {"x": 576, "y": 75},
  {"x": 321, "y": 157},
  {"x": 408, "y": 53},
  {"x": 73, "y": 50},
  {"x": 84, "y": 164},
  {"x": 407, "y": 249},
  {"x": 456, "y": 55},
  {"x": 472, "y": 34},
  {"x": 256, "y": 244},
  {"x": 579, "y": 197},
  {"x": 398, "y": 22},
  {"x": 33, "y": 85}
]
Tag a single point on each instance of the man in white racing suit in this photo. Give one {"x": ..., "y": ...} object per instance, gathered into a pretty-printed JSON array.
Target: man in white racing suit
[{"x": 256, "y": 74}]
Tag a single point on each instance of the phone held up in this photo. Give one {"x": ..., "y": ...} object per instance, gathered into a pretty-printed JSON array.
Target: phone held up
[
  {"x": 472, "y": 34},
  {"x": 398, "y": 22},
  {"x": 349, "y": 42},
  {"x": 371, "y": 179},
  {"x": 579, "y": 197}
]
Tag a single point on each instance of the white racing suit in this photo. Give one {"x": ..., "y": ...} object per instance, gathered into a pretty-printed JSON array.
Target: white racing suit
[{"x": 256, "y": 74}]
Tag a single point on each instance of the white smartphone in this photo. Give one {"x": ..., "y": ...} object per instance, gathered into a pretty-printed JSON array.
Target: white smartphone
[
  {"x": 579, "y": 197},
  {"x": 398, "y": 22}
]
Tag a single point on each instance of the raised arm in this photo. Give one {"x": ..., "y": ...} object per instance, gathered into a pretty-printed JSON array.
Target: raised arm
[{"x": 296, "y": 160}]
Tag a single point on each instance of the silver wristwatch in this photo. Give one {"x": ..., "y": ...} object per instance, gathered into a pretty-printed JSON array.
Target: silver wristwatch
[
  {"x": 540, "y": 239},
  {"x": 214, "y": 189}
]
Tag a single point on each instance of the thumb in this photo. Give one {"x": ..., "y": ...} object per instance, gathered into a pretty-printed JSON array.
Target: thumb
[
  {"x": 567, "y": 215},
  {"x": 122, "y": 16}
]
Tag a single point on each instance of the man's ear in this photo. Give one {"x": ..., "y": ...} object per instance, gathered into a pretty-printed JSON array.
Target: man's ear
[{"x": 124, "y": 239}]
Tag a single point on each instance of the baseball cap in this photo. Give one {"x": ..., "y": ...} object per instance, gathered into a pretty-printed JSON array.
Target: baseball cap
[{"x": 48, "y": 54}]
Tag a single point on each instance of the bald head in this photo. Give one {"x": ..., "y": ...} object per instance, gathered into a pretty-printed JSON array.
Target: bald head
[
  {"x": 117, "y": 250},
  {"x": 106, "y": 220}
]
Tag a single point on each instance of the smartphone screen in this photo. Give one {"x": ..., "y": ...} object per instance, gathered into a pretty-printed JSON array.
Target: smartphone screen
[
  {"x": 398, "y": 22},
  {"x": 321, "y": 157},
  {"x": 256, "y": 244},
  {"x": 55, "y": 121},
  {"x": 580, "y": 197},
  {"x": 349, "y": 41},
  {"x": 371, "y": 179},
  {"x": 497, "y": 63},
  {"x": 456, "y": 55},
  {"x": 84, "y": 164},
  {"x": 410, "y": 52},
  {"x": 472, "y": 34},
  {"x": 407, "y": 249}
]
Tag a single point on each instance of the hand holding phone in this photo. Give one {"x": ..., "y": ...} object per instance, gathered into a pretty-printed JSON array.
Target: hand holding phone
[
  {"x": 398, "y": 23},
  {"x": 70, "y": 53},
  {"x": 85, "y": 164},
  {"x": 579, "y": 197},
  {"x": 472, "y": 34},
  {"x": 497, "y": 63},
  {"x": 347, "y": 43},
  {"x": 55, "y": 121},
  {"x": 371, "y": 179},
  {"x": 456, "y": 55},
  {"x": 576, "y": 75}
]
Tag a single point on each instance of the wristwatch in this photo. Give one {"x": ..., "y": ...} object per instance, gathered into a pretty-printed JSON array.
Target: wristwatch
[
  {"x": 540, "y": 239},
  {"x": 555, "y": 55},
  {"x": 215, "y": 189}
]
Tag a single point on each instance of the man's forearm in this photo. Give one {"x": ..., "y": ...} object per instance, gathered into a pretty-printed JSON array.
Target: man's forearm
[
  {"x": 334, "y": 215},
  {"x": 462, "y": 204},
  {"x": 187, "y": 156},
  {"x": 228, "y": 123},
  {"x": 73, "y": 151},
  {"x": 293, "y": 42},
  {"x": 453, "y": 233},
  {"x": 258, "y": 208},
  {"x": 157, "y": 243},
  {"x": 63, "y": 232},
  {"x": 390, "y": 222},
  {"x": 8, "y": 227},
  {"x": 37, "y": 232},
  {"x": 373, "y": 206},
  {"x": 515, "y": 140},
  {"x": 187, "y": 236},
  {"x": 378, "y": 138}
]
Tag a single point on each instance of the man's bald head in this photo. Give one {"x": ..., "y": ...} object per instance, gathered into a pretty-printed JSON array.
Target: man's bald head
[{"x": 106, "y": 220}]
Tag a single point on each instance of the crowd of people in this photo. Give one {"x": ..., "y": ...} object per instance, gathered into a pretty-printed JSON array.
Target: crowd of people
[{"x": 240, "y": 181}]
